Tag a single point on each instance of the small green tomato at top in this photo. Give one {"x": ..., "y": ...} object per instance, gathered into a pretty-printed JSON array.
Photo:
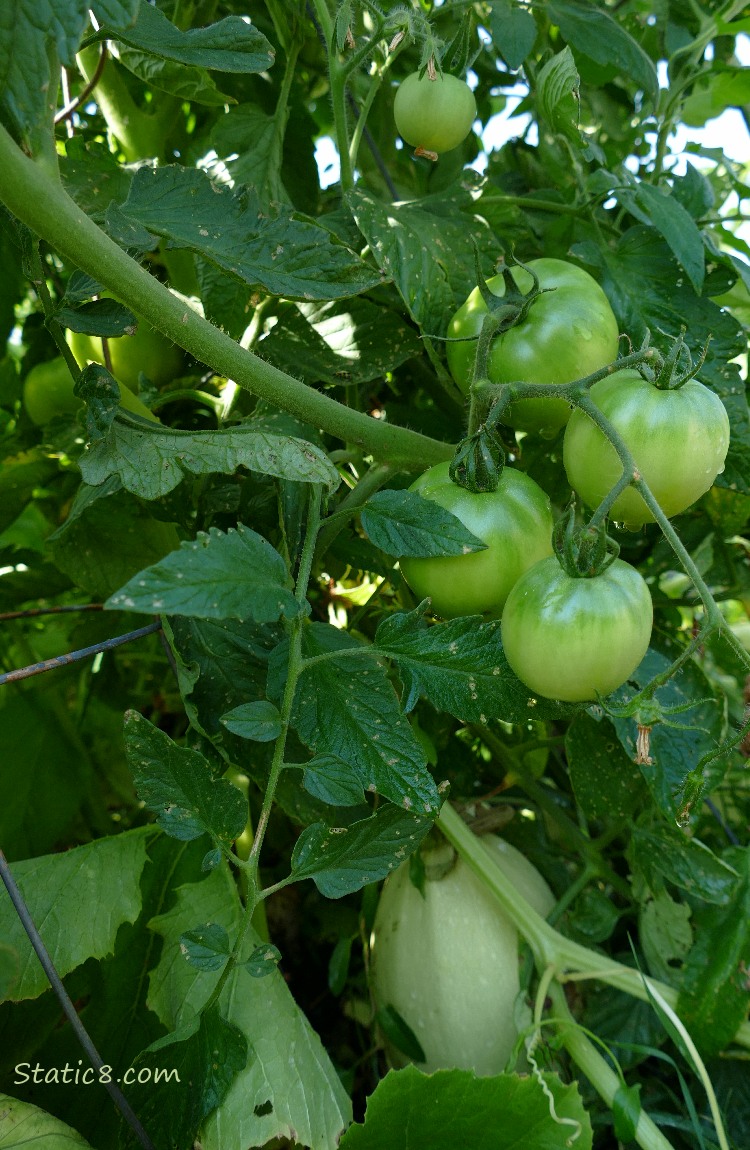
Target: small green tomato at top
[{"x": 434, "y": 115}]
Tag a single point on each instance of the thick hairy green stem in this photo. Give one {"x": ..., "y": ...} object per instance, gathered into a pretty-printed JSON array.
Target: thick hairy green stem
[
  {"x": 45, "y": 208},
  {"x": 139, "y": 134},
  {"x": 294, "y": 670}
]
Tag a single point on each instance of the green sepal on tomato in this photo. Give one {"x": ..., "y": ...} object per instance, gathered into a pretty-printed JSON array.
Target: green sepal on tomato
[
  {"x": 434, "y": 115},
  {"x": 446, "y": 959},
  {"x": 679, "y": 438},
  {"x": 146, "y": 350},
  {"x": 515, "y": 523},
  {"x": 573, "y": 638},
  {"x": 48, "y": 392},
  {"x": 569, "y": 332}
]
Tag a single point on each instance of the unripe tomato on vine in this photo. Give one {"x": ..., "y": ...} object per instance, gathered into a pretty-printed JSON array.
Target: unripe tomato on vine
[
  {"x": 147, "y": 351},
  {"x": 573, "y": 637},
  {"x": 679, "y": 438},
  {"x": 434, "y": 114},
  {"x": 515, "y": 523},
  {"x": 569, "y": 332}
]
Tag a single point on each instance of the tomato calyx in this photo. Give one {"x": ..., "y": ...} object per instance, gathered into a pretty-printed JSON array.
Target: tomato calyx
[
  {"x": 677, "y": 366},
  {"x": 513, "y": 306},
  {"x": 582, "y": 552},
  {"x": 503, "y": 311},
  {"x": 478, "y": 462}
]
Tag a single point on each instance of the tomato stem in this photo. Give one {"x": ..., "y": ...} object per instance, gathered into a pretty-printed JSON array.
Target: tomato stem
[
  {"x": 43, "y": 205},
  {"x": 572, "y": 961},
  {"x": 294, "y": 670},
  {"x": 601, "y": 1076}
]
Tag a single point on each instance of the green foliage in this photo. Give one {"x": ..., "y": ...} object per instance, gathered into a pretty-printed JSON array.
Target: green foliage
[{"x": 199, "y": 819}]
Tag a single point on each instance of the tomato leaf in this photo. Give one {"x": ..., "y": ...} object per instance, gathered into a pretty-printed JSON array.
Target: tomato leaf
[
  {"x": 21, "y": 474},
  {"x": 675, "y": 750},
  {"x": 404, "y": 523},
  {"x": 177, "y": 785},
  {"x": 221, "y": 665},
  {"x": 206, "y": 947},
  {"x": 151, "y": 461},
  {"x": 340, "y": 343},
  {"x": 455, "y": 1108},
  {"x": 715, "y": 992},
  {"x": 593, "y": 31},
  {"x": 424, "y": 246},
  {"x": 333, "y": 781},
  {"x": 346, "y": 707},
  {"x": 606, "y": 781},
  {"x": 104, "y": 317},
  {"x": 513, "y": 31},
  {"x": 107, "y": 540},
  {"x": 237, "y": 236},
  {"x": 207, "y": 1054},
  {"x": 341, "y": 860},
  {"x": 647, "y": 291},
  {"x": 27, "y": 28},
  {"x": 216, "y": 576},
  {"x": 260, "y": 721},
  {"x": 558, "y": 95},
  {"x": 263, "y": 961},
  {"x": 229, "y": 45},
  {"x": 686, "y": 862},
  {"x": 661, "y": 209},
  {"x": 460, "y": 668},
  {"x": 79, "y": 899},
  {"x": 116, "y": 13}
]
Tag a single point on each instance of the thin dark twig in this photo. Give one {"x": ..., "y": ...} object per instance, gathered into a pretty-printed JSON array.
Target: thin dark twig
[
  {"x": 31, "y": 612},
  {"x": 722, "y": 822},
  {"x": 81, "y": 1033},
  {"x": 74, "y": 656},
  {"x": 374, "y": 149},
  {"x": 170, "y": 655},
  {"x": 70, "y": 108}
]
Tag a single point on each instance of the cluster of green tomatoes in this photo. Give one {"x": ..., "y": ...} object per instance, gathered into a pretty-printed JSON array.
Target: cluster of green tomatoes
[{"x": 567, "y": 636}]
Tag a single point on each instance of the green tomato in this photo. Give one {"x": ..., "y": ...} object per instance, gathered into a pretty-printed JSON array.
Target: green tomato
[
  {"x": 568, "y": 333},
  {"x": 679, "y": 440},
  {"x": 515, "y": 522},
  {"x": 571, "y": 638},
  {"x": 434, "y": 115},
  {"x": 48, "y": 391},
  {"x": 447, "y": 960},
  {"x": 146, "y": 351}
]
